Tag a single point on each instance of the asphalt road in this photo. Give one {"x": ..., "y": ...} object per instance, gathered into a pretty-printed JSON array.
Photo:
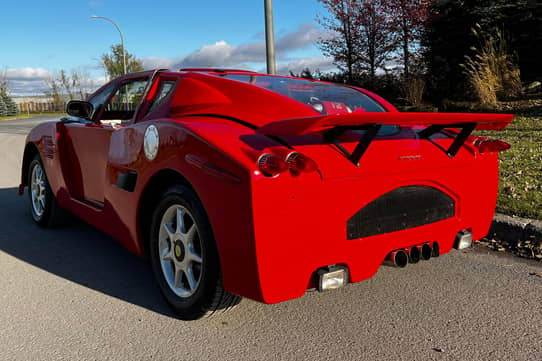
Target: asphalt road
[
  {"x": 74, "y": 294},
  {"x": 23, "y": 126}
]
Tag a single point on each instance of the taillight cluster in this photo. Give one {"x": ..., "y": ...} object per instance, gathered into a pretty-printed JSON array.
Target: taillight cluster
[
  {"x": 491, "y": 145},
  {"x": 272, "y": 165}
]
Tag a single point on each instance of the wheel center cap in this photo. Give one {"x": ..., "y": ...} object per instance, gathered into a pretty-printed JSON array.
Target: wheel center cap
[{"x": 178, "y": 250}]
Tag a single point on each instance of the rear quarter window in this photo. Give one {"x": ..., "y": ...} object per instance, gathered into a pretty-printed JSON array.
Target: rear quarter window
[{"x": 164, "y": 89}]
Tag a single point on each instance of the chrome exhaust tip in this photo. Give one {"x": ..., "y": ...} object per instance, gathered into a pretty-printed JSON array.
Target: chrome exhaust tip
[
  {"x": 463, "y": 240},
  {"x": 414, "y": 255},
  {"x": 398, "y": 258},
  {"x": 426, "y": 252},
  {"x": 436, "y": 250}
]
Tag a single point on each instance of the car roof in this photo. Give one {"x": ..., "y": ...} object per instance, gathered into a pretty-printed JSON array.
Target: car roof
[{"x": 207, "y": 71}]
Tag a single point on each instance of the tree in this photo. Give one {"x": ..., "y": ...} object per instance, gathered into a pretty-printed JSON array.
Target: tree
[
  {"x": 408, "y": 19},
  {"x": 7, "y": 105},
  {"x": 113, "y": 62},
  {"x": 3, "y": 108},
  {"x": 55, "y": 92},
  {"x": 362, "y": 38},
  {"x": 343, "y": 45},
  {"x": 12, "y": 107},
  {"x": 377, "y": 38},
  {"x": 66, "y": 83}
]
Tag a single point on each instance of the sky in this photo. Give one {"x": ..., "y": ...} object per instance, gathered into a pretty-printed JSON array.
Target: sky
[{"x": 41, "y": 37}]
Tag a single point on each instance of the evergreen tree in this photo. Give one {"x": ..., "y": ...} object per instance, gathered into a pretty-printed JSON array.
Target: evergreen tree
[
  {"x": 3, "y": 108},
  {"x": 9, "y": 106},
  {"x": 12, "y": 108}
]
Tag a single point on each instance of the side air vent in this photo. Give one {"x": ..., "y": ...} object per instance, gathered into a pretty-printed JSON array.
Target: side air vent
[{"x": 400, "y": 209}]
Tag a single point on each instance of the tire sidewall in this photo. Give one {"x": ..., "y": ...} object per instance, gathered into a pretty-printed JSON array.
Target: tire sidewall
[{"x": 195, "y": 305}]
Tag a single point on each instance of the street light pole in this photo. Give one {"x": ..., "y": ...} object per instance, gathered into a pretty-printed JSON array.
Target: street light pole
[
  {"x": 270, "y": 37},
  {"x": 121, "y": 39}
]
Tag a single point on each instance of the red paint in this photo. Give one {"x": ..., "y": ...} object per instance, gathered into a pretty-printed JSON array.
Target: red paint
[{"x": 272, "y": 233}]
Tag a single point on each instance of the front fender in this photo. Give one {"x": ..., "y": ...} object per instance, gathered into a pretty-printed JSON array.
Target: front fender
[{"x": 42, "y": 140}]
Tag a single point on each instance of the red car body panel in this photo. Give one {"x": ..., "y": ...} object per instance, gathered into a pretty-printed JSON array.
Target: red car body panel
[{"x": 272, "y": 233}]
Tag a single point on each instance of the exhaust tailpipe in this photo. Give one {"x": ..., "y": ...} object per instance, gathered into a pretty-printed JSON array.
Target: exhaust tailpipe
[
  {"x": 414, "y": 255},
  {"x": 426, "y": 252},
  {"x": 398, "y": 258},
  {"x": 436, "y": 250}
]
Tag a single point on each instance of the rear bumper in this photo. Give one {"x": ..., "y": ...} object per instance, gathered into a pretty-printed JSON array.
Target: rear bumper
[{"x": 300, "y": 225}]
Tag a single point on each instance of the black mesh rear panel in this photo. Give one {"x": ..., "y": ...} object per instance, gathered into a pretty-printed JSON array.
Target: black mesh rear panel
[{"x": 400, "y": 209}]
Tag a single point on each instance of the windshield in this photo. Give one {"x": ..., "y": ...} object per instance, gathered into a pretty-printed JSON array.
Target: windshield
[{"x": 324, "y": 98}]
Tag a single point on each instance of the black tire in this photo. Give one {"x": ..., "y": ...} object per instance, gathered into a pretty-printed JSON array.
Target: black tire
[
  {"x": 209, "y": 296},
  {"x": 52, "y": 214}
]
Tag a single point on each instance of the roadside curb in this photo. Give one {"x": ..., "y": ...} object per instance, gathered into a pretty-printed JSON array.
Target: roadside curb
[{"x": 521, "y": 236}]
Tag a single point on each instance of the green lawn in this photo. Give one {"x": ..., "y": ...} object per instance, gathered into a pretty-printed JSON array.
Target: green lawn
[{"x": 520, "y": 190}]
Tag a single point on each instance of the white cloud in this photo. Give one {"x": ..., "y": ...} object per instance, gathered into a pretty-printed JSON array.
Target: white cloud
[
  {"x": 298, "y": 65},
  {"x": 28, "y": 74},
  {"x": 153, "y": 63},
  {"x": 306, "y": 35},
  {"x": 223, "y": 54},
  {"x": 33, "y": 81}
]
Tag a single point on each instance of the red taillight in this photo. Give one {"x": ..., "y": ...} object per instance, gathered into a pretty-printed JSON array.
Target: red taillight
[
  {"x": 300, "y": 163},
  {"x": 271, "y": 165},
  {"x": 491, "y": 146}
]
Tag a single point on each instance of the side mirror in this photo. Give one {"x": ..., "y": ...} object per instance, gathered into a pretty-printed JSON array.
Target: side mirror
[{"x": 79, "y": 108}]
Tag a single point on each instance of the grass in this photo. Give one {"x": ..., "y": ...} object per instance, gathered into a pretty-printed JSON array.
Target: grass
[
  {"x": 32, "y": 115},
  {"x": 520, "y": 189},
  {"x": 491, "y": 71}
]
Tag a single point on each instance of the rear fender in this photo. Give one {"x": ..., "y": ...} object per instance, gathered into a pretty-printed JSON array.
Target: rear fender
[{"x": 210, "y": 158}]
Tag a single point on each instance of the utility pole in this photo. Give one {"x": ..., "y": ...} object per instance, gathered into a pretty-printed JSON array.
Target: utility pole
[
  {"x": 270, "y": 37},
  {"x": 121, "y": 39}
]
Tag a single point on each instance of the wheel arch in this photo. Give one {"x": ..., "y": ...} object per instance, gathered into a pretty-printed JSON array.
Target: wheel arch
[
  {"x": 150, "y": 196},
  {"x": 30, "y": 151}
]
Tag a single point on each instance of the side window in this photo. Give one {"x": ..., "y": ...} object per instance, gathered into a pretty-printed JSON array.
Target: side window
[
  {"x": 164, "y": 89},
  {"x": 124, "y": 101},
  {"x": 99, "y": 99}
]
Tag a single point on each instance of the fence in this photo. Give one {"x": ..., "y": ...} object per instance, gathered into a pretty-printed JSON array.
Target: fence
[{"x": 39, "y": 107}]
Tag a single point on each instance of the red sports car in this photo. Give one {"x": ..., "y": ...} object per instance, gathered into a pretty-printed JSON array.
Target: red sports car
[{"x": 239, "y": 184}]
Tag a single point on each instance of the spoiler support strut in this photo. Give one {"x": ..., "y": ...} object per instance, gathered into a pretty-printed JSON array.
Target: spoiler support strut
[
  {"x": 460, "y": 139},
  {"x": 371, "y": 132}
]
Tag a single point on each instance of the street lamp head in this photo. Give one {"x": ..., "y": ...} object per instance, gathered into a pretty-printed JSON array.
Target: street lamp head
[{"x": 121, "y": 38}]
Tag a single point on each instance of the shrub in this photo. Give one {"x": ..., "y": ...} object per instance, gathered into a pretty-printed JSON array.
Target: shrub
[
  {"x": 492, "y": 71},
  {"x": 413, "y": 89}
]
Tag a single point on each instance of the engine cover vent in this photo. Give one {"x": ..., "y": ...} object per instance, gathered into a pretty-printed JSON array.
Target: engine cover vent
[{"x": 402, "y": 208}]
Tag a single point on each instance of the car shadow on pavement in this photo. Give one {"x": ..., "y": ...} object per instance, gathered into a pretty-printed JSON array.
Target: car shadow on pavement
[{"x": 79, "y": 253}]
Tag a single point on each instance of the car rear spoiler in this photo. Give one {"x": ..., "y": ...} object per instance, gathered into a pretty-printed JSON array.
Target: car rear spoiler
[
  {"x": 301, "y": 126},
  {"x": 334, "y": 125}
]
